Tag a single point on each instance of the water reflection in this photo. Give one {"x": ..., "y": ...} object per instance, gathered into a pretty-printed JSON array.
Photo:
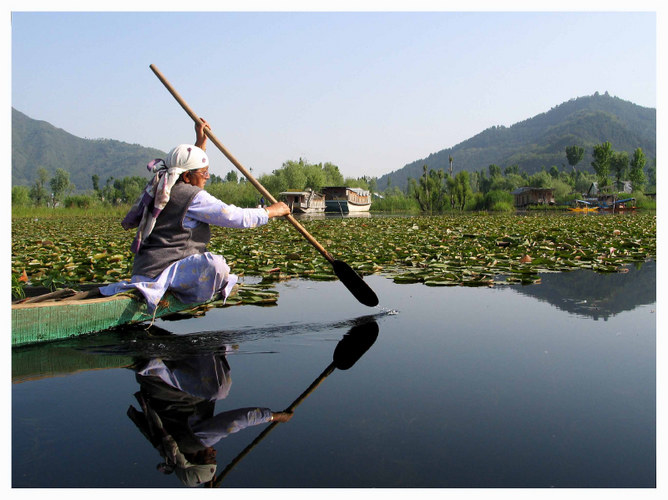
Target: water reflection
[
  {"x": 181, "y": 379},
  {"x": 177, "y": 400},
  {"x": 120, "y": 348},
  {"x": 596, "y": 295},
  {"x": 348, "y": 351}
]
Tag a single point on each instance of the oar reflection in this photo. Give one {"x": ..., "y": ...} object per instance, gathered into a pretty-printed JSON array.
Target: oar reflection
[
  {"x": 177, "y": 399},
  {"x": 347, "y": 352}
]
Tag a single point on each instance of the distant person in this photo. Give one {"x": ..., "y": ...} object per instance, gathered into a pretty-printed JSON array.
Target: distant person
[{"x": 172, "y": 218}]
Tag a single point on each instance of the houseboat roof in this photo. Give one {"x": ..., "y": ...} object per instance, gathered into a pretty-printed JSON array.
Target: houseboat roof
[
  {"x": 305, "y": 193},
  {"x": 526, "y": 189},
  {"x": 360, "y": 191}
]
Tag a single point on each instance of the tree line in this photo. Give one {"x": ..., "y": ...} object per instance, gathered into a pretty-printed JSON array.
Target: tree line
[
  {"x": 434, "y": 191},
  {"x": 298, "y": 175}
]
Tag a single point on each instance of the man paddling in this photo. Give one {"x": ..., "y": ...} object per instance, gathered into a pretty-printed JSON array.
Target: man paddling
[{"x": 173, "y": 218}]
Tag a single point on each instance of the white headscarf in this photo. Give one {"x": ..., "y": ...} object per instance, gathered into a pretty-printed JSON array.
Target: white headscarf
[{"x": 180, "y": 159}]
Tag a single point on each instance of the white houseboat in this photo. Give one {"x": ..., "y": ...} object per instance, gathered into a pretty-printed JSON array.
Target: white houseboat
[
  {"x": 304, "y": 202},
  {"x": 346, "y": 199}
]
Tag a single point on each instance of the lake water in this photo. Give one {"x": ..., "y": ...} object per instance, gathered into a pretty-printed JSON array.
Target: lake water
[{"x": 549, "y": 385}]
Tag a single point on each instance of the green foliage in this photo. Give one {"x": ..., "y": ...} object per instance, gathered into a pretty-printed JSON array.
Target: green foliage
[
  {"x": 301, "y": 175},
  {"x": 394, "y": 200},
  {"x": 452, "y": 249},
  {"x": 60, "y": 185},
  {"x": 574, "y": 154},
  {"x": 460, "y": 190},
  {"x": 602, "y": 159},
  {"x": 20, "y": 196},
  {"x": 619, "y": 165},
  {"x": 541, "y": 180},
  {"x": 430, "y": 191},
  {"x": 636, "y": 174},
  {"x": 84, "y": 201},
  {"x": 242, "y": 194},
  {"x": 499, "y": 201},
  {"x": 38, "y": 191},
  {"x": 643, "y": 201}
]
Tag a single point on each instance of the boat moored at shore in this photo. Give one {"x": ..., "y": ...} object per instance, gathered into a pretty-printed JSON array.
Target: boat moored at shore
[{"x": 346, "y": 199}]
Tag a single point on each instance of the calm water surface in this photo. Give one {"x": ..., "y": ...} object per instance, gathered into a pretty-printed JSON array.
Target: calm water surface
[{"x": 549, "y": 385}]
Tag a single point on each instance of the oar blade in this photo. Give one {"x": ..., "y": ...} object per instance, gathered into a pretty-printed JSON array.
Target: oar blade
[
  {"x": 354, "y": 344},
  {"x": 354, "y": 282}
]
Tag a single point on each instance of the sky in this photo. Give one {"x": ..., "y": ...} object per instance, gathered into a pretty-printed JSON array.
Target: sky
[{"x": 369, "y": 91}]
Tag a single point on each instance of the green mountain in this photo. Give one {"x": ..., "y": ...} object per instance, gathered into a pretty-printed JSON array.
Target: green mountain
[
  {"x": 541, "y": 141},
  {"x": 38, "y": 144}
]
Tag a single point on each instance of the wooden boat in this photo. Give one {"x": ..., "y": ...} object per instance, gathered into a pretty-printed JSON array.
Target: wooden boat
[
  {"x": 625, "y": 205},
  {"x": 58, "y": 315},
  {"x": 583, "y": 206},
  {"x": 346, "y": 199},
  {"x": 304, "y": 202}
]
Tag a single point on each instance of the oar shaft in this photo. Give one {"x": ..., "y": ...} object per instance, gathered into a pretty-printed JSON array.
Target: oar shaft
[
  {"x": 271, "y": 426},
  {"x": 238, "y": 164}
]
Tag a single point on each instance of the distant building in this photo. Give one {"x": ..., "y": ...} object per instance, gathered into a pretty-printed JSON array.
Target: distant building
[
  {"x": 526, "y": 196},
  {"x": 623, "y": 187}
]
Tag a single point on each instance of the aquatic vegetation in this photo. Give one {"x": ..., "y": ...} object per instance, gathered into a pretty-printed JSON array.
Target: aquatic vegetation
[{"x": 444, "y": 250}]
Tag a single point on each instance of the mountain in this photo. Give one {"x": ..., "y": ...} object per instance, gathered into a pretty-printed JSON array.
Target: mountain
[
  {"x": 541, "y": 141},
  {"x": 37, "y": 144}
]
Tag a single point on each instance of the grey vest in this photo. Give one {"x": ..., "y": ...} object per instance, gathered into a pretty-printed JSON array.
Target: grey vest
[{"x": 170, "y": 241}]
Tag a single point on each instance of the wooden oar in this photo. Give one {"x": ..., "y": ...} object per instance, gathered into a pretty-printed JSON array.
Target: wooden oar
[
  {"x": 350, "y": 348},
  {"x": 343, "y": 271}
]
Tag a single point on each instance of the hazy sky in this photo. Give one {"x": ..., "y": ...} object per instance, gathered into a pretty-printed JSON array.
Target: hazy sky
[{"x": 367, "y": 91}]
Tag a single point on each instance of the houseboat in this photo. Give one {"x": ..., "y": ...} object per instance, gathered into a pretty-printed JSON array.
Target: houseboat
[
  {"x": 304, "y": 202},
  {"x": 346, "y": 199},
  {"x": 527, "y": 196}
]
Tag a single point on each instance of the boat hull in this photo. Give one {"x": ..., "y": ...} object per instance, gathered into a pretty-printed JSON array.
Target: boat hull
[
  {"x": 308, "y": 210},
  {"x": 54, "y": 320},
  {"x": 346, "y": 206},
  {"x": 584, "y": 210}
]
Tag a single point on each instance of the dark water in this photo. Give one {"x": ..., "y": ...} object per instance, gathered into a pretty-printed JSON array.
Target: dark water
[{"x": 549, "y": 385}]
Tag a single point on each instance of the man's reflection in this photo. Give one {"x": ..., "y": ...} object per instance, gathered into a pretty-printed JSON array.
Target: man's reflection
[{"x": 177, "y": 399}]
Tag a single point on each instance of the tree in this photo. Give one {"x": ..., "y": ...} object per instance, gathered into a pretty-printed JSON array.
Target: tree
[
  {"x": 636, "y": 174},
  {"x": 373, "y": 185},
  {"x": 430, "y": 192},
  {"x": 554, "y": 172},
  {"x": 96, "y": 182},
  {"x": 462, "y": 189},
  {"x": 20, "y": 196},
  {"x": 511, "y": 169},
  {"x": 215, "y": 179},
  {"x": 128, "y": 189},
  {"x": 315, "y": 177},
  {"x": 574, "y": 154},
  {"x": 232, "y": 177},
  {"x": 60, "y": 185},
  {"x": 602, "y": 156},
  {"x": 541, "y": 180},
  {"x": 494, "y": 171},
  {"x": 619, "y": 164},
  {"x": 333, "y": 177},
  {"x": 38, "y": 191}
]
